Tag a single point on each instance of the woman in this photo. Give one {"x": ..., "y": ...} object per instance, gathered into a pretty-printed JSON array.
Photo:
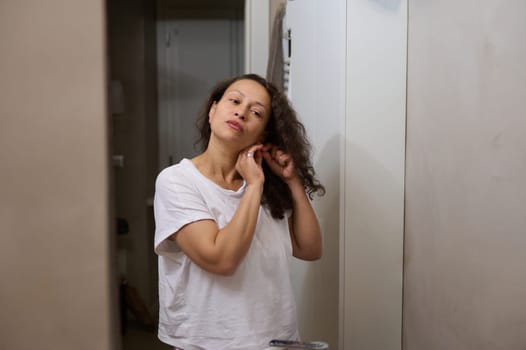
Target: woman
[{"x": 228, "y": 221}]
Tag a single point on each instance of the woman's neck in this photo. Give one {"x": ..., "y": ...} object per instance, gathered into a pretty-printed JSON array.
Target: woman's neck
[{"x": 219, "y": 165}]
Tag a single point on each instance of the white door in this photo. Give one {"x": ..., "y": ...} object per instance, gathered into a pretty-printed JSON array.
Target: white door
[{"x": 193, "y": 54}]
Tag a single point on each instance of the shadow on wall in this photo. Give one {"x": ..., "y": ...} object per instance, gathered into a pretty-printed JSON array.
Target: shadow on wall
[
  {"x": 374, "y": 254},
  {"x": 319, "y": 289}
]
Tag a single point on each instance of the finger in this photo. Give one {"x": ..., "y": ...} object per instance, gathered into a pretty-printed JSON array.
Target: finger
[
  {"x": 271, "y": 162},
  {"x": 251, "y": 151},
  {"x": 280, "y": 154},
  {"x": 255, "y": 148},
  {"x": 282, "y": 158},
  {"x": 274, "y": 152},
  {"x": 258, "y": 157},
  {"x": 268, "y": 157},
  {"x": 268, "y": 146}
]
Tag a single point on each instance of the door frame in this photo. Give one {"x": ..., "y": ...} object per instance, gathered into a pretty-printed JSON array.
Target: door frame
[{"x": 257, "y": 32}]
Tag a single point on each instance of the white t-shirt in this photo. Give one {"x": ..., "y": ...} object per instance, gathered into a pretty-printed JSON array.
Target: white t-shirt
[{"x": 202, "y": 310}]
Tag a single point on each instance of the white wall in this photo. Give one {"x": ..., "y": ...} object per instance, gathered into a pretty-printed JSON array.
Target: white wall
[
  {"x": 348, "y": 84},
  {"x": 373, "y": 205},
  {"x": 317, "y": 91}
]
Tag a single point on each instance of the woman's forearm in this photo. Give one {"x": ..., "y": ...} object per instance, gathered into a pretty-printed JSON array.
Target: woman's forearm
[
  {"x": 233, "y": 241},
  {"x": 304, "y": 226}
]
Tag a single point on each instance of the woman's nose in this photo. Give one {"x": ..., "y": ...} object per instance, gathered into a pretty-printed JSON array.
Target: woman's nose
[{"x": 240, "y": 114}]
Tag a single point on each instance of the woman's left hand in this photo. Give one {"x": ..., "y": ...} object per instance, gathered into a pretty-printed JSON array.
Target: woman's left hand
[{"x": 280, "y": 163}]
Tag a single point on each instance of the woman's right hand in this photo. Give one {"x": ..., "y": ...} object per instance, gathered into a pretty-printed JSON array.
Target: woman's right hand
[{"x": 249, "y": 165}]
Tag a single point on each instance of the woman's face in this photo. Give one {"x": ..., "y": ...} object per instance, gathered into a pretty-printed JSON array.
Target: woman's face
[{"x": 241, "y": 115}]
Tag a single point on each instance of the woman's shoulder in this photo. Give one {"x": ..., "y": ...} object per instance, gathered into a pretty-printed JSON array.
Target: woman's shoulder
[{"x": 178, "y": 173}]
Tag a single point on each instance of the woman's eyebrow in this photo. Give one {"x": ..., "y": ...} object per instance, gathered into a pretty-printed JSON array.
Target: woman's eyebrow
[{"x": 235, "y": 90}]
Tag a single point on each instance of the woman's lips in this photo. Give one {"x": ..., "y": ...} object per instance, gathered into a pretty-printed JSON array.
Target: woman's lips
[{"x": 235, "y": 125}]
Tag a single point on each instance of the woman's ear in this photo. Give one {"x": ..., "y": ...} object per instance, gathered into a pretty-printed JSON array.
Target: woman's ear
[{"x": 212, "y": 111}]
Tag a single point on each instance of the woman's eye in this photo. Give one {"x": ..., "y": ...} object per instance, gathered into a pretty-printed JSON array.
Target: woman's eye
[
  {"x": 234, "y": 101},
  {"x": 256, "y": 113}
]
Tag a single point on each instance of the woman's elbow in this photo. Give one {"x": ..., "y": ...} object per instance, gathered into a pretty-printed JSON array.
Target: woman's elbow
[
  {"x": 315, "y": 255},
  {"x": 309, "y": 255},
  {"x": 223, "y": 267},
  {"x": 226, "y": 269}
]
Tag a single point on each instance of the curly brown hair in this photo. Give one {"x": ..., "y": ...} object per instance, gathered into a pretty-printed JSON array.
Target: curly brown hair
[{"x": 283, "y": 130}]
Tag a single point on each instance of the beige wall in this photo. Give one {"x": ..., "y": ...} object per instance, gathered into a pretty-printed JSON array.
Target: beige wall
[
  {"x": 465, "y": 249},
  {"x": 54, "y": 213}
]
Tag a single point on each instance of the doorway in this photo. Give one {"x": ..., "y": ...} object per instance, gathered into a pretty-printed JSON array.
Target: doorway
[
  {"x": 198, "y": 44},
  {"x": 164, "y": 56}
]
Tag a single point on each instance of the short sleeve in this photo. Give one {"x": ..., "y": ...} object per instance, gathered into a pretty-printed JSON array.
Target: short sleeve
[{"x": 177, "y": 202}]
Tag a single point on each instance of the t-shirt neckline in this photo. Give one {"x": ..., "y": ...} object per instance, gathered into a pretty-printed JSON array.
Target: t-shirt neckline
[{"x": 192, "y": 166}]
